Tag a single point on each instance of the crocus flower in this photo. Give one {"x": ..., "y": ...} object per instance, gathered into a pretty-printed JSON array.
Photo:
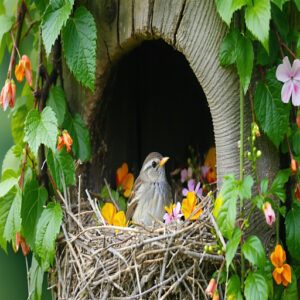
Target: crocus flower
[
  {"x": 124, "y": 180},
  {"x": 173, "y": 213},
  {"x": 112, "y": 217},
  {"x": 290, "y": 76},
  {"x": 192, "y": 188},
  {"x": 269, "y": 213},
  {"x": 20, "y": 241},
  {"x": 8, "y": 94},
  {"x": 211, "y": 288},
  {"x": 282, "y": 272},
  {"x": 189, "y": 206},
  {"x": 64, "y": 140},
  {"x": 23, "y": 69},
  {"x": 209, "y": 168}
]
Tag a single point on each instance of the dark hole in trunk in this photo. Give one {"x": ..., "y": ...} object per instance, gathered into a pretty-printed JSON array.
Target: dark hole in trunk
[{"x": 152, "y": 102}]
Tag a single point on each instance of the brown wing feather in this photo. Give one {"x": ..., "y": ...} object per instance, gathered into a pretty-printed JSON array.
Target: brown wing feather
[{"x": 133, "y": 201}]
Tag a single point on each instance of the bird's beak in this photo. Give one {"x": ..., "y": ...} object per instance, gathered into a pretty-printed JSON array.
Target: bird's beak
[{"x": 163, "y": 161}]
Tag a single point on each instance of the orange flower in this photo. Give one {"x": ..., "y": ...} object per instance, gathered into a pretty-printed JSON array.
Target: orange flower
[
  {"x": 112, "y": 217},
  {"x": 210, "y": 163},
  {"x": 21, "y": 241},
  {"x": 282, "y": 272},
  {"x": 64, "y": 140},
  {"x": 189, "y": 205},
  {"x": 294, "y": 166},
  {"x": 124, "y": 180},
  {"x": 8, "y": 94},
  {"x": 211, "y": 288},
  {"x": 24, "y": 69}
]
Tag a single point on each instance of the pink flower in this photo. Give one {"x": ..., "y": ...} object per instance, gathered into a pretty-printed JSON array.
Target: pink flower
[
  {"x": 8, "y": 94},
  {"x": 290, "y": 76},
  {"x": 211, "y": 288},
  {"x": 192, "y": 188},
  {"x": 173, "y": 213},
  {"x": 269, "y": 213}
]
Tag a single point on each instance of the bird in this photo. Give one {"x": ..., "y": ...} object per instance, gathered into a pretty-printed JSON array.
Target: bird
[{"x": 151, "y": 192}]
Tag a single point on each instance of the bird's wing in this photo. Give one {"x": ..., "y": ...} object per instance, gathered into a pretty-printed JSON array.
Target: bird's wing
[{"x": 133, "y": 200}]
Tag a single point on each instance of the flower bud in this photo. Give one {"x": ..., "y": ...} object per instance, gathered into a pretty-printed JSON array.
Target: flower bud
[
  {"x": 294, "y": 166},
  {"x": 258, "y": 154},
  {"x": 298, "y": 121},
  {"x": 23, "y": 69},
  {"x": 211, "y": 288},
  {"x": 269, "y": 213},
  {"x": 8, "y": 94}
]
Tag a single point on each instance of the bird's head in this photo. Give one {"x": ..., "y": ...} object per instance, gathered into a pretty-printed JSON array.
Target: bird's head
[{"x": 153, "y": 169}]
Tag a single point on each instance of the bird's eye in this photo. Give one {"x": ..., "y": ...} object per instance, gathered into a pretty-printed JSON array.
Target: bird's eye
[{"x": 154, "y": 164}]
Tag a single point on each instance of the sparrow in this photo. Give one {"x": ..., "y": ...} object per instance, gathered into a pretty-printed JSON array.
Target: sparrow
[{"x": 151, "y": 191}]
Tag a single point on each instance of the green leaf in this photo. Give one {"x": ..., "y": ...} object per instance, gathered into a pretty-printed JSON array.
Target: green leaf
[
  {"x": 292, "y": 225},
  {"x": 279, "y": 3},
  {"x": 254, "y": 251},
  {"x": 281, "y": 21},
  {"x": 264, "y": 185},
  {"x": 6, "y": 24},
  {"x": 81, "y": 138},
  {"x": 47, "y": 230},
  {"x": 227, "y": 8},
  {"x": 297, "y": 2},
  {"x": 5, "y": 205},
  {"x": 246, "y": 187},
  {"x": 36, "y": 277},
  {"x": 41, "y": 128},
  {"x": 278, "y": 186},
  {"x": 34, "y": 198},
  {"x": 296, "y": 142},
  {"x": 256, "y": 287},
  {"x": 11, "y": 160},
  {"x": 79, "y": 44},
  {"x": 258, "y": 200},
  {"x": 57, "y": 102},
  {"x": 226, "y": 213},
  {"x": 9, "y": 180},
  {"x": 271, "y": 112},
  {"x": 17, "y": 124},
  {"x": 13, "y": 221},
  {"x": 233, "y": 290},
  {"x": 244, "y": 61},
  {"x": 62, "y": 168},
  {"x": 232, "y": 246},
  {"x": 55, "y": 17},
  {"x": 228, "y": 48},
  {"x": 257, "y": 17}
]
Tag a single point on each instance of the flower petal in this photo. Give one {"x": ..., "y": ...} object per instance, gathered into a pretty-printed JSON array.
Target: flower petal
[
  {"x": 191, "y": 185},
  {"x": 119, "y": 219},
  {"x": 296, "y": 69},
  {"x": 183, "y": 175},
  {"x": 277, "y": 277},
  {"x": 296, "y": 93},
  {"x": 286, "y": 91},
  {"x": 108, "y": 212},
  {"x": 284, "y": 70},
  {"x": 197, "y": 187},
  {"x": 184, "y": 192},
  {"x": 287, "y": 273}
]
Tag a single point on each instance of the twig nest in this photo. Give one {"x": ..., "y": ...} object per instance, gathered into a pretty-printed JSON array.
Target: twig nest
[{"x": 97, "y": 261}]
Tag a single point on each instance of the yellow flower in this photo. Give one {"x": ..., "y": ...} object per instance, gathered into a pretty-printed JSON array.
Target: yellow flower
[
  {"x": 124, "y": 180},
  {"x": 282, "y": 272},
  {"x": 108, "y": 212},
  {"x": 189, "y": 205},
  {"x": 112, "y": 217},
  {"x": 169, "y": 209}
]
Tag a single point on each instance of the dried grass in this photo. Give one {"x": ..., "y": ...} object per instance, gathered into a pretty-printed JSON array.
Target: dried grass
[{"x": 96, "y": 261}]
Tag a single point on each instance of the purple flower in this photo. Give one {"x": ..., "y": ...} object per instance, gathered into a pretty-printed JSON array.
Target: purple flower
[
  {"x": 191, "y": 188},
  {"x": 204, "y": 171},
  {"x": 290, "y": 76},
  {"x": 185, "y": 174},
  {"x": 173, "y": 213}
]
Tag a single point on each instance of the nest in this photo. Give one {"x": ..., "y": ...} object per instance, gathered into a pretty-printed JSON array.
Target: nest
[{"x": 97, "y": 261}]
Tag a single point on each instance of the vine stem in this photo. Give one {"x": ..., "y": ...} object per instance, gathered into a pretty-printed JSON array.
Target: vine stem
[{"x": 242, "y": 101}]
